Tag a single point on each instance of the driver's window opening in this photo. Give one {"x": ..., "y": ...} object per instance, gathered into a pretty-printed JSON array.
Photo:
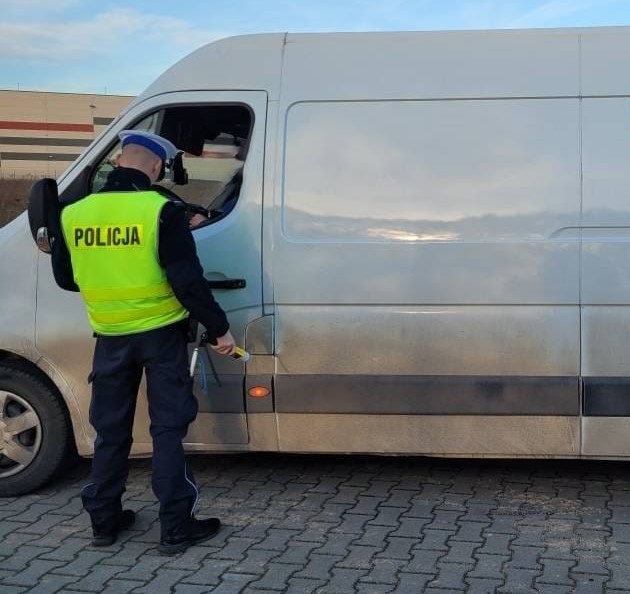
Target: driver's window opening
[{"x": 215, "y": 141}]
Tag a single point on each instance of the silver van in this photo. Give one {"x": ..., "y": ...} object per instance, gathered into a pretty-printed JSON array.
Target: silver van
[{"x": 422, "y": 238}]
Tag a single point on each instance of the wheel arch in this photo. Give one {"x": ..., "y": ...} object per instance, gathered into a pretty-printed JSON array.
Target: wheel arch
[{"x": 79, "y": 440}]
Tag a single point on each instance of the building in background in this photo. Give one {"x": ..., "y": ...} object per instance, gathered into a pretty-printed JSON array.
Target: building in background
[{"x": 42, "y": 133}]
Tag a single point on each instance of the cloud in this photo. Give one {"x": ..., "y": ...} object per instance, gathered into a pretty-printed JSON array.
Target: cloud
[
  {"x": 64, "y": 41},
  {"x": 482, "y": 15},
  {"x": 179, "y": 32},
  {"x": 39, "y": 5},
  {"x": 104, "y": 35},
  {"x": 119, "y": 50},
  {"x": 551, "y": 12},
  {"x": 522, "y": 14}
]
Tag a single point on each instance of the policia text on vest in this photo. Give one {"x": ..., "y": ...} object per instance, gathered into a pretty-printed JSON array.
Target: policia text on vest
[{"x": 108, "y": 236}]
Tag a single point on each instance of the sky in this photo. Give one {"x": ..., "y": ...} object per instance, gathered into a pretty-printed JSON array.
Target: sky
[{"x": 120, "y": 47}]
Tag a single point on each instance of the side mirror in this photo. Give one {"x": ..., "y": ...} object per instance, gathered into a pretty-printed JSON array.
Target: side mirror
[{"x": 44, "y": 212}]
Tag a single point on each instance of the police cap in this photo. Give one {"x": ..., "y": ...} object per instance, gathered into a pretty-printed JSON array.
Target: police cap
[{"x": 159, "y": 146}]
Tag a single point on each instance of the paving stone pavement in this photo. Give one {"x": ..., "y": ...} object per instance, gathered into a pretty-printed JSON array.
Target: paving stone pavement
[{"x": 341, "y": 524}]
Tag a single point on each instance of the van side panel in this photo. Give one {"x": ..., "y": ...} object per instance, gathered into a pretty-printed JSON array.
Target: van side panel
[
  {"x": 445, "y": 64},
  {"x": 432, "y": 202},
  {"x": 453, "y": 435},
  {"x": 18, "y": 280},
  {"x": 430, "y": 266},
  {"x": 428, "y": 360},
  {"x": 604, "y": 54},
  {"x": 606, "y": 264},
  {"x": 65, "y": 339}
]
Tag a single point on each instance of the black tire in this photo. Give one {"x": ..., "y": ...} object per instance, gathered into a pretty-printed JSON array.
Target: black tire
[{"x": 37, "y": 451}]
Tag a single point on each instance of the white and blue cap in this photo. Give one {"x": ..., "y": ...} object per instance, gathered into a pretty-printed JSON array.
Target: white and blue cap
[{"x": 161, "y": 147}]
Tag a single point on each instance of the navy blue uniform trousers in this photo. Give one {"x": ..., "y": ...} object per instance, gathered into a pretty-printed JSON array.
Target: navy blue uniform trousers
[{"x": 117, "y": 370}]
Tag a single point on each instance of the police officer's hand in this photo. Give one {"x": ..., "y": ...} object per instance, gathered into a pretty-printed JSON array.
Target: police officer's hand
[
  {"x": 225, "y": 344},
  {"x": 196, "y": 219}
]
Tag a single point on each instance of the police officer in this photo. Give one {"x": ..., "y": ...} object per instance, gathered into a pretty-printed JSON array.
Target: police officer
[{"x": 130, "y": 253}]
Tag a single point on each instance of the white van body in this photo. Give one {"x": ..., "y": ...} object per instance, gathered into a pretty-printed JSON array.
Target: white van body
[{"x": 434, "y": 229}]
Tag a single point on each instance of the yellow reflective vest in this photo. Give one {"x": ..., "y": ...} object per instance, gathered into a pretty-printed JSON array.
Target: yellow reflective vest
[{"x": 112, "y": 238}]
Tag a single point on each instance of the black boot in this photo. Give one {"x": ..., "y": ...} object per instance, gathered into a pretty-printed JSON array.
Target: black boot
[
  {"x": 105, "y": 532},
  {"x": 191, "y": 532}
]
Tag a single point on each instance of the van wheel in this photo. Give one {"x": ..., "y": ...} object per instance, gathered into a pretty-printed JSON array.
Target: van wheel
[{"x": 34, "y": 431}]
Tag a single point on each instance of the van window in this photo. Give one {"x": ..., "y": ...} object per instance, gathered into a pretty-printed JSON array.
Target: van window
[
  {"x": 431, "y": 171},
  {"x": 215, "y": 140}
]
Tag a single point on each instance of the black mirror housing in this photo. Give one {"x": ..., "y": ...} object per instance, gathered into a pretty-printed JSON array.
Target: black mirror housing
[{"x": 44, "y": 213}]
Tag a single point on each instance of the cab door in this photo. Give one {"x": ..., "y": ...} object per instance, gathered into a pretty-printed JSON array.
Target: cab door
[
  {"x": 222, "y": 136},
  {"x": 229, "y": 248}
]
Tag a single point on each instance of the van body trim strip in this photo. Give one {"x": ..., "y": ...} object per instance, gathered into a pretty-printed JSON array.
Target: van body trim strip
[
  {"x": 427, "y": 395},
  {"x": 606, "y": 397}
]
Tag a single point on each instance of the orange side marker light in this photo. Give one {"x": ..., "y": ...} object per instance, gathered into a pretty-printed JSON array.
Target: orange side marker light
[{"x": 258, "y": 392}]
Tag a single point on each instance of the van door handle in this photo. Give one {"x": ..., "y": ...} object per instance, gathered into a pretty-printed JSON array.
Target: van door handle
[{"x": 228, "y": 283}]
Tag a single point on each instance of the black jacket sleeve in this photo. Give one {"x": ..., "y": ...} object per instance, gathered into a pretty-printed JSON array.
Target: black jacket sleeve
[
  {"x": 62, "y": 265},
  {"x": 178, "y": 257}
]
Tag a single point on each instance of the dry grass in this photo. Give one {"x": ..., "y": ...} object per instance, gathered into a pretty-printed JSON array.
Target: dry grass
[{"x": 13, "y": 198}]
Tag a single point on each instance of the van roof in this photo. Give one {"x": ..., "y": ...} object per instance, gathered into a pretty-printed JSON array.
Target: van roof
[{"x": 404, "y": 65}]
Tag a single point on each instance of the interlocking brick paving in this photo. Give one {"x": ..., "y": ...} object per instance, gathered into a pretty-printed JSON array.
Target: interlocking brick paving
[{"x": 341, "y": 524}]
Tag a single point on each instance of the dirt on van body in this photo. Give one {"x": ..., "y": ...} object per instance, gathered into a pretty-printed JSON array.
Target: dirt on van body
[{"x": 13, "y": 198}]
